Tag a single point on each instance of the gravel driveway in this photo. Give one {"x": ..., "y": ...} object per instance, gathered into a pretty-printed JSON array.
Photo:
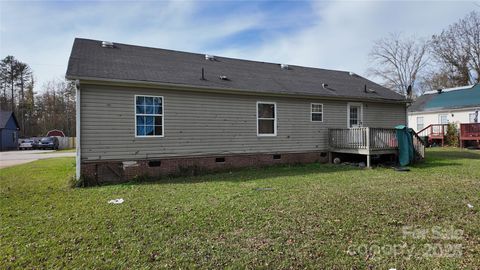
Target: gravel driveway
[{"x": 12, "y": 158}]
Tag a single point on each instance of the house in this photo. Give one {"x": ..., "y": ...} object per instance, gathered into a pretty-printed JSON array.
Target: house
[
  {"x": 434, "y": 110},
  {"x": 148, "y": 111},
  {"x": 8, "y": 131}
]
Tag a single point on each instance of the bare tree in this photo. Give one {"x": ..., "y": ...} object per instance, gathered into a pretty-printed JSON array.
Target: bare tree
[
  {"x": 398, "y": 61},
  {"x": 24, "y": 74},
  {"x": 457, "y": 50},
  {"x": 55, "y": 107},
  {"x": 436, "y": 78}
]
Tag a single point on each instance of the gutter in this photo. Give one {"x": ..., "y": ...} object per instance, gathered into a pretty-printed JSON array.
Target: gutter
[
  {"x": 184, "y": 87},
  {"x": 474, "y": 108}
]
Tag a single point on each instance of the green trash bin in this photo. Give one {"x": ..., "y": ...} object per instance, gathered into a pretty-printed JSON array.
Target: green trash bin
[{"x": 406, "y": 152}]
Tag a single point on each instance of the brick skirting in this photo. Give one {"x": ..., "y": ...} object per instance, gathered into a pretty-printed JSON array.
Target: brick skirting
[{"x": 118, "y": 171}]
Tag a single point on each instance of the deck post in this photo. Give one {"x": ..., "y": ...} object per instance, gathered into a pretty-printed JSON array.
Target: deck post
[
  {"x": 368, "y": 146},
  {"x": 367, "y": 130}
]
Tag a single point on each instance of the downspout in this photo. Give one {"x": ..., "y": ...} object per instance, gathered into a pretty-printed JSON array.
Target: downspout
[{"x": 77, "y": 130}]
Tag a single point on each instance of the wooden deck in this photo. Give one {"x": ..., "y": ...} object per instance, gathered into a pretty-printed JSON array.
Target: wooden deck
[
  {"x": 469, "y": 132},
  {"x": 369, "y": 141},
  {"x": 434, "y": 133}
]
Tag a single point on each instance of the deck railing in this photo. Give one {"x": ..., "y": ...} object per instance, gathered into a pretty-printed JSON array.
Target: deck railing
[
  {"x": 419, "y": 145},
  {"x": 363, "y": 138},
  {"x": 433, "y": 131},
  {"x": 470, "y": 130}
]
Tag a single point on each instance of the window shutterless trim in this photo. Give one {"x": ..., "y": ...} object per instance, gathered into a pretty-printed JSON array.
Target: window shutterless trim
[
  {"x": 143, "y": 114},
  {"x": 274, "y": 119},
  {"x": 312, "y": 112},
  {"x": 440, "y": 116}
]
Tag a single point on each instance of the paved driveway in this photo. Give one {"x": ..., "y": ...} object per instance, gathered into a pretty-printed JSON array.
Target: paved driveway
[{"x": 12, "y": 158}]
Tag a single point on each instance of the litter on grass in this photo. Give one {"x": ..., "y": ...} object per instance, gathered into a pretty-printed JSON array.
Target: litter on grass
[
  {"x": 116, "y": 201},
  {"x": 469, "y": 206}
]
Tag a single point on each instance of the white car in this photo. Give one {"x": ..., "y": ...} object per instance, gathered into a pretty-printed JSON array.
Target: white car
[{"x": 25, "y": 144}]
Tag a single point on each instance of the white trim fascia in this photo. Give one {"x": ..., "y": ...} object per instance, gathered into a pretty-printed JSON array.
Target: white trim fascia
[
  {"x": 233, "y": 91},
  {"x": 466, "y": 109}
]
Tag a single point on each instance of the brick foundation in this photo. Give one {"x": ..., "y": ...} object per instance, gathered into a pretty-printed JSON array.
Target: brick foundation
[{"x": 118, "y": 171}]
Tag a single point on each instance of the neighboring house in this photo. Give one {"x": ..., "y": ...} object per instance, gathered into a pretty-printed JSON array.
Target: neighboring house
[
  {"x": 453, "y": 105},
  {"x": 8, "y": 131},
  {"x": 146, "y": 111}
]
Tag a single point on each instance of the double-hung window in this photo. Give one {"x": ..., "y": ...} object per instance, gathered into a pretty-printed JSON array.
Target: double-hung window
[
  {"x": 419, "y": 123},
  {"x": 266, "y": 119},
  {"x": 473, "y": 117},
  {"x": 317, "y": 112},
  {"x": 443, "y": 119},
  {"x": 148, "y": 116}
]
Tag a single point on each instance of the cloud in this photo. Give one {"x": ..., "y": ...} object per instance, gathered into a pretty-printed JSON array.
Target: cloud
[
  {"x": 343, "y": 32},
  {"x": 333, "y": 35},
  {"x": 42, "y": 34}
]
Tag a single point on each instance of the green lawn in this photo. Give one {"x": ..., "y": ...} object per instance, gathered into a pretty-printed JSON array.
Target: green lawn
[
  {"x": 315, "y": 216},
  {"x": 71, "y": 150}
]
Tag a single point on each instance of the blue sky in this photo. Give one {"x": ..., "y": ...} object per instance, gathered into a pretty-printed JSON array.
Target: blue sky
[{"x": 324, "y": 34}]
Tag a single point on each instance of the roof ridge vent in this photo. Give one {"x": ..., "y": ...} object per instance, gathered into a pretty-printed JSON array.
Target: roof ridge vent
[
  {"x": 284, "y": 66},
  {"x": 107, "y": 44},
  {"x": 209, "y": 57}
]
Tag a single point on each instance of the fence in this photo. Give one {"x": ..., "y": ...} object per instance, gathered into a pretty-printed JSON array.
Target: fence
[{"x": 66, "y": 142}]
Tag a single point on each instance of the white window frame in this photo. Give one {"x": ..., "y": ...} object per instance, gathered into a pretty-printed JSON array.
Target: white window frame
[
  {"x": 440, "y": 117},
  {"x": 274, "y": 119},
  {"x": 471, "y": 117},
  {"x": 312, "y": 112},
  {"x": 423, "y": 122},
  {"x": 361, "y": 113},
  {"x": 141, "y": 114}
]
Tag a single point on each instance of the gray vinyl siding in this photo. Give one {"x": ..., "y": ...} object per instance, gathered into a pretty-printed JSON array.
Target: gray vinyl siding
[
  {"x": 384, "y": 115},
  {"x": 200, "y": 124}
]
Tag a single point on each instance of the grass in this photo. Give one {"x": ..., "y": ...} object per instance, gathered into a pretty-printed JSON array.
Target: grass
[
  {"x": 72, "y": 150},
  {"x": 314, "y": 216}
]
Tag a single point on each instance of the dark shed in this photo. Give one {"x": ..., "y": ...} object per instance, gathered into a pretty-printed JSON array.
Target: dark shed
[{"x": 8, "y": 131}]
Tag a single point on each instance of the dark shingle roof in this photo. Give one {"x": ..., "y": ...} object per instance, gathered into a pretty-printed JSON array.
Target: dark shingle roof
[
  {"x": 454, "y": 98},
  {"x": 89, "y": 60},
  {"x": 5, "y": 116}
]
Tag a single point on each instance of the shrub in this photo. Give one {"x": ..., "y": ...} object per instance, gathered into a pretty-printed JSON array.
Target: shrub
[{"x": 451, "y": 138}]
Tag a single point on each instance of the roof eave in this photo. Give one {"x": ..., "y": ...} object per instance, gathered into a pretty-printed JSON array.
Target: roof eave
[
  {"x": 454, "y": 109},
  {"x": 196, "y": 88}
]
